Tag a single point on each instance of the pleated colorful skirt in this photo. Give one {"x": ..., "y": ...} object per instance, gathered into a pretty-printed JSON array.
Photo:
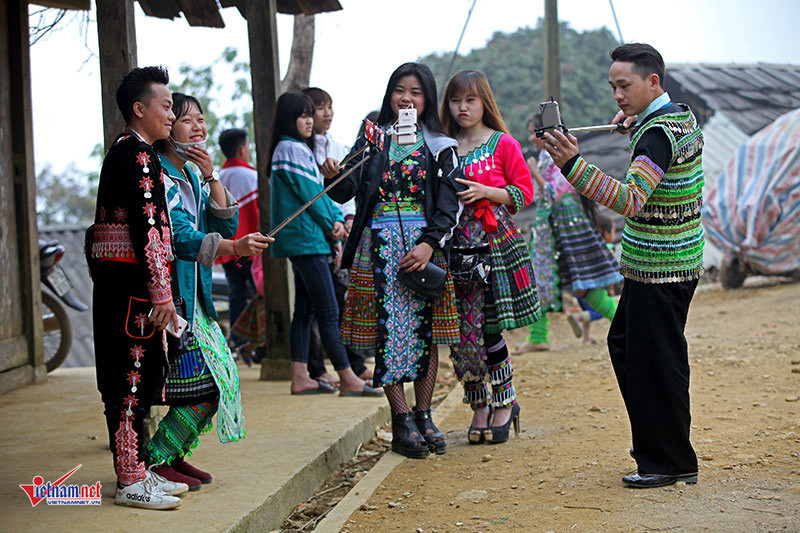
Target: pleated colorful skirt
[
  {"x": 584, "y": 261},
  {"x": 382, "y": 315}
]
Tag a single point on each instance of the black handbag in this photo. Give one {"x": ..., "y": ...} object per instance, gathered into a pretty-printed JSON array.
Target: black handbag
[
  {"x": 471, "y": 265},
  {"x": 427, "y": 282}
]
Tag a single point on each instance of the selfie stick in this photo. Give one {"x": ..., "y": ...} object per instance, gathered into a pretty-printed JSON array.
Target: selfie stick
[
  {"x": 604, "y": 127},
  {"x": 305, "y": 206}
]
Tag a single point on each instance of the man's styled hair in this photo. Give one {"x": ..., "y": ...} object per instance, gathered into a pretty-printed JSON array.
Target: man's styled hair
[
  {"x": 137, "y": 86},
  {"x": 646, "y": 59},
  {"x": 231, "y": 140},
  {"x": 318, "y": 96}
]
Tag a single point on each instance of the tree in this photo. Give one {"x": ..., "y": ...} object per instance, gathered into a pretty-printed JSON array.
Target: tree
[
  {"x": 514, "y": 62},
  {"x": 65, "y": 198},
  {"x": 299, "y": 71},
  {"x": 199, "y": 82}
]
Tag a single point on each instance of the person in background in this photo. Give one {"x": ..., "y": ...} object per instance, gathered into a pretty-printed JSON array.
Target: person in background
[
  {"x": 328, "y": 153},
  {"x": 307, "y": 241},
  {"x": 544, "y": 254},
  {"x": 241, "y": 180},
  {"x": 585, "y": 266}
]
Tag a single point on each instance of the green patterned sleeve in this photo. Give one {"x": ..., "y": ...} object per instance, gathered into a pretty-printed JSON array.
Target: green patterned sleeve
[{"x": 517, "y": 198}]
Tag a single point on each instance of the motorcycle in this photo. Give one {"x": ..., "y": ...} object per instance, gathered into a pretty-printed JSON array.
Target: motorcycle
[{"x": 57, "y": 326}]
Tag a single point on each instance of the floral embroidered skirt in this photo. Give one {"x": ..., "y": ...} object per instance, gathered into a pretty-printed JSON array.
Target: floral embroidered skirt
[
  {"x": 206, "y": 373},
  {"x": 584, "y": 262},
  {"x": 386, "y": 317},
  {"x": 511, "y": 301}
]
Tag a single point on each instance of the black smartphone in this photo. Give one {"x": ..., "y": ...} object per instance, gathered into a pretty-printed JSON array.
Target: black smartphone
[{"x": 551, "y": 118}]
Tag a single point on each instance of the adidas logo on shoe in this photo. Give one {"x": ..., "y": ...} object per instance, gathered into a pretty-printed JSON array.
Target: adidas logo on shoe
[{"x": 145, "y": 494}]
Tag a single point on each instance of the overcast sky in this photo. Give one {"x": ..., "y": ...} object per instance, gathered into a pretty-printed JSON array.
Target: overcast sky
[{"x": 67, "y": 115}]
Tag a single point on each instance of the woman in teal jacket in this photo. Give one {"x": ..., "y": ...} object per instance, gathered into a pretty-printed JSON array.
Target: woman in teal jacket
[
  {"x": 203, "y": 381},
  {"x": 308, "y": 241}
]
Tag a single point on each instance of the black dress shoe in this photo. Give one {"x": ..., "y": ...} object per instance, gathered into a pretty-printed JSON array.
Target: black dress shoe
[{"x": 648, "y": 481}]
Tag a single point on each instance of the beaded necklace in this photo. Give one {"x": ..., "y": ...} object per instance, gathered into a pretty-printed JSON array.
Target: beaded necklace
[{"x": 481, "y": 158}]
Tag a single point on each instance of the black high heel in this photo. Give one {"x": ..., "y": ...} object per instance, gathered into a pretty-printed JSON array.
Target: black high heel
[
  {"x": 404, "y": 441},
  {"x": 479, "y": 437},
  {"x": 434, "y": 439},
  {"x": 499, "y": 434}
]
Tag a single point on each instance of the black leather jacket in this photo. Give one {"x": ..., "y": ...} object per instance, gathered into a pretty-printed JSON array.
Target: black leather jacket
[{"x": 442, "y": 207}]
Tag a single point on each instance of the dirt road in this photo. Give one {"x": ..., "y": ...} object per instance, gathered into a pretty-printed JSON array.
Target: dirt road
[{"x": 563, "y": 471}]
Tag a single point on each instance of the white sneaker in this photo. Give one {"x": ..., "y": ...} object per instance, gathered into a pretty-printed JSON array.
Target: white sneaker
[
  {"x": 173, "y": 488},
  {"x": 145, "y": 494}
]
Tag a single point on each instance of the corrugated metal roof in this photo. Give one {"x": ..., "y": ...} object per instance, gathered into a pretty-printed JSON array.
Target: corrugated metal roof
[{"x": 751, "y": 96}]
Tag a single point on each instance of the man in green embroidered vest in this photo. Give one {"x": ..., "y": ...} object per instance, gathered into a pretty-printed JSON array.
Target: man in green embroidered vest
[{"x": 662, "y": 258}]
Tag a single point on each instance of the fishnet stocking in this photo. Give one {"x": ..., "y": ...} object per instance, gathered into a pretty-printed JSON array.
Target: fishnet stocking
[
  {"x": 397, "y": 398},
  {"x": 423, "y": 389}
]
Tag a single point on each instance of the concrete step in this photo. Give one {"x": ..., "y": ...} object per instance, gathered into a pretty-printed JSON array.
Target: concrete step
[{"x": 293, "y": 444}]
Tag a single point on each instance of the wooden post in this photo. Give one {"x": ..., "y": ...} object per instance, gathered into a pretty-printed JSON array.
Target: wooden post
[
  {"x": 22, "y": 200},
  {"x": 263, "y": 35},
  {"x": 116, "y": 35},
  {"x": 552, "y": 58}
]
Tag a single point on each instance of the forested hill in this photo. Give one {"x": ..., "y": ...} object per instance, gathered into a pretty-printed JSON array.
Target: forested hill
[{"x": 514, "y": 63}]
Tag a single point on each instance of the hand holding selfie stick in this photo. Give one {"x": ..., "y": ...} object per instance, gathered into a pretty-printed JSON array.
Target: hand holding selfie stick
[{"x": 375, "y": 139}]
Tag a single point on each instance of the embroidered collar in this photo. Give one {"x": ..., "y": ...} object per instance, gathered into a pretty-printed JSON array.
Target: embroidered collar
[
  {"x": 399, "y": 152},
  {"x": 477, "y": 159}
]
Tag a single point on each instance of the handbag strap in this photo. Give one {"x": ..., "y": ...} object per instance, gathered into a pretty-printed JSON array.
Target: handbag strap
[{"x": 397, "y": 207}]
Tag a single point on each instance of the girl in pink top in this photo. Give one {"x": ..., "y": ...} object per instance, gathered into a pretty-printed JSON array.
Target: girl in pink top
[{"x": 499, "y": 184}]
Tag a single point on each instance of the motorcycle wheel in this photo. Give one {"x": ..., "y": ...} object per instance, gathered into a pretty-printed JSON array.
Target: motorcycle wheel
[{"x": 57, "y": 337}]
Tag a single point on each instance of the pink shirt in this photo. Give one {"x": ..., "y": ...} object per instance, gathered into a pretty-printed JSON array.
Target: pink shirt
[{"x": 499, "y": 163}]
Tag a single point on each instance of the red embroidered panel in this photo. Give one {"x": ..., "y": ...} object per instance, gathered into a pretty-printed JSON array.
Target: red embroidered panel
[{"x": 157, "y": 254}]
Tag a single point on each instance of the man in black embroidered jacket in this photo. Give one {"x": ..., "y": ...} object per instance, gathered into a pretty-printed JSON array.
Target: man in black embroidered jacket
[{"x": 131, "y": 252}]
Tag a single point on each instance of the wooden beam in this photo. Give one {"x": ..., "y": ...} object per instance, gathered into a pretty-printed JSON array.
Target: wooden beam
[
  {"x": 116, "y": 32},
  {"x": 202, "y": 13},
  {"x": 83, "y": 5},
  {"x": 263, "y": 35},
  {"x": 25, "y": 183},
  {"x": 552, "y": 58},
  {"x": 163, "y": 9}
]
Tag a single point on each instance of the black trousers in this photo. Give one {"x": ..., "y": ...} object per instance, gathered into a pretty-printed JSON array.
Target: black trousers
[
  {"x": 649, "y": 354},
  {"x": 130, "y": 363}
]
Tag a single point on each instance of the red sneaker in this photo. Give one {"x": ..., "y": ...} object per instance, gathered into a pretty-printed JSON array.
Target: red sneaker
[
  {"x": 166, "y": 471},
  {"x": 180, "y": 465}
]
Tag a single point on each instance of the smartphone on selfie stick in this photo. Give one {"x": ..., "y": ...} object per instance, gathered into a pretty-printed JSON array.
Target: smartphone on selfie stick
[{"x": 551, "y": 118}]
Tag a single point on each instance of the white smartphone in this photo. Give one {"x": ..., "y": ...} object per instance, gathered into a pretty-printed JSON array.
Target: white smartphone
[{"x": 182, "y": 323}]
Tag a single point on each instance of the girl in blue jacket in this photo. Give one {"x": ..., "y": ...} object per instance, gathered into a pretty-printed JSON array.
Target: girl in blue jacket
[
  {"x": 203, "y": 217},
  {"x": 308, "y": 241}
]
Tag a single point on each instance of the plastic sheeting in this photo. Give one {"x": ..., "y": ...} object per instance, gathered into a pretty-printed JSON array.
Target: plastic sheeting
[{"x": 753, "y": 210}]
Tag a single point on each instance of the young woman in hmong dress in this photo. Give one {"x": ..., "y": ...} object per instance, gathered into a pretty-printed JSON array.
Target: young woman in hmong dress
[
  {"x": 204, "y": 381},
  {"x": 382, "y": 315},
  {"x": 585, "y": 265},
  {"x": 499, "y": 183}
]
